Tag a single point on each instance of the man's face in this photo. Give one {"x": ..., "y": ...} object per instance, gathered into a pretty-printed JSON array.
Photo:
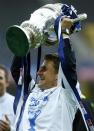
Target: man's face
[
  {"x": 3, "y": 82},
  {"x": 47, "y": 74}
]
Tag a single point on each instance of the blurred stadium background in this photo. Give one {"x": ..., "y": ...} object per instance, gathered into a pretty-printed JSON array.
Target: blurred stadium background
[{"x": 14, "y": 12}]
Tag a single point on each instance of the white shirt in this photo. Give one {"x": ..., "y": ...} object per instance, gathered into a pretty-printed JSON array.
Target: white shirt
[
  {"x": 6, "y": 107},
  {"x": 50, "y": 110}
]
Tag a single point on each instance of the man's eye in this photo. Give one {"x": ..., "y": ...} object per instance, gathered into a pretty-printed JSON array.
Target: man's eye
[{"x": 43, "y": 68}]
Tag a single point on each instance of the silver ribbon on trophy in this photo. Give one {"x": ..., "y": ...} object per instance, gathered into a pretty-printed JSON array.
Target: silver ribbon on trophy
[{"x": 38, "y": 30}]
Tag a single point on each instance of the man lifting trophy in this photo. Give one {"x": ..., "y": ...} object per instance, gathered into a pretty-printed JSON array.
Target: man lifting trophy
[
  {"x": 39, "y": 29},
  {"x": 51, "y": 102}
]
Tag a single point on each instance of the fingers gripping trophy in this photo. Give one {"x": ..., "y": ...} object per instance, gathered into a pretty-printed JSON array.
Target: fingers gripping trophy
[{"x": 39, "y": 29}]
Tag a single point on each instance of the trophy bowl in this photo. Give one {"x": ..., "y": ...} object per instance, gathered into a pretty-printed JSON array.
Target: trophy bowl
[{"x": 16, "y": 35}]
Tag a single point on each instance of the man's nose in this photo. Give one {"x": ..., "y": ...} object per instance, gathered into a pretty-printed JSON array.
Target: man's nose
[{"x": 39, "y": 72}]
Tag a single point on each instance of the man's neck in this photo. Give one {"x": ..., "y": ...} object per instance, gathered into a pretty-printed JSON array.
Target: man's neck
[{"x": 47, "y": 87}]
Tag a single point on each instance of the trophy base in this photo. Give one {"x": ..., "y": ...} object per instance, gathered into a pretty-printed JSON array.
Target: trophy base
[{"x": 17, "y": 40}]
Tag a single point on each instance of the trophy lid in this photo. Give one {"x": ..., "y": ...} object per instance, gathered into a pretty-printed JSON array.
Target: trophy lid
[{"x": 17, "y": 40}]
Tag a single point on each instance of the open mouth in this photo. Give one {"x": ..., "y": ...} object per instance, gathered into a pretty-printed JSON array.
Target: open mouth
[{"x": 42, "y": 79}]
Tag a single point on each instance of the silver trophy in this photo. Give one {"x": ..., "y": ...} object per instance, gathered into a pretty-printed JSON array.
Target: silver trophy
[{"x": 38, "y": 30}]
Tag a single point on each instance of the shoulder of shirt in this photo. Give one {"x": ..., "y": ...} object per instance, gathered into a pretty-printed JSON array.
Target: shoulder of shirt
[{"x": 9, "y": 95}]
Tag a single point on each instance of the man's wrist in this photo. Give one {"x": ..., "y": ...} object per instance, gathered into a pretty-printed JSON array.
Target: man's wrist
[
  {"x": 65, "y": 31},
  {"x": 65, "y": 36}
]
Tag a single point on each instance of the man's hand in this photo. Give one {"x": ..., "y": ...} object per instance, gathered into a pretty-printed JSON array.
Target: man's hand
[
  {"x": 5, "y": 124},
  {"x": 66, "y": 23}
]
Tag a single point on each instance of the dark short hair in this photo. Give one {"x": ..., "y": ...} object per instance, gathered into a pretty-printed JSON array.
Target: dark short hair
[
  {"x": 55, "y": 59},
  {"x": 2, "y": 67}
]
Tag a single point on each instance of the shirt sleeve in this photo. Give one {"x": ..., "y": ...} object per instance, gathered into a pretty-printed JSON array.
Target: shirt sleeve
[
  {"x": 68, "y": 62},
  {"x": 15, "y": 68},
  {"x": 17, "y": 64}
]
